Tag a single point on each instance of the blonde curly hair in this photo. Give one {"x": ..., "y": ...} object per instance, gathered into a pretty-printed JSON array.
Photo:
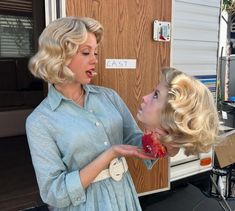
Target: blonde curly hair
[
  {"x": 190, "y": 116},
  {"x": 58, "y": 43}
]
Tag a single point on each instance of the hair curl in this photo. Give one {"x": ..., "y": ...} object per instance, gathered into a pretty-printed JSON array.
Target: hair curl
[
  {"x": 58, "y": 43},
  {"x": 190, "y": 115}
]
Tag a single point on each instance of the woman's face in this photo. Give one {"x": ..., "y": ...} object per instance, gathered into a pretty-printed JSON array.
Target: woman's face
[
  {"x": 150, "y": 113},
  {"x": 84, "y": 62},
  {"x": 152, "y": 105}
]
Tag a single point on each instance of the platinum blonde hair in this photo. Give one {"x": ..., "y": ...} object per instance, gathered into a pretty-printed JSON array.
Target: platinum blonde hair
[
  {"x": 58, "y": 43},
  {"x": 190, "y": 115}
]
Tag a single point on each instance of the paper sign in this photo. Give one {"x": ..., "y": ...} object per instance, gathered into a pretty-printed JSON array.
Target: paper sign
[{"x": 120, "y": 63}]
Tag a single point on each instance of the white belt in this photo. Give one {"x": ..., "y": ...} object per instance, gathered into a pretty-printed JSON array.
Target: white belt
[{"x": 117, "y": 167}]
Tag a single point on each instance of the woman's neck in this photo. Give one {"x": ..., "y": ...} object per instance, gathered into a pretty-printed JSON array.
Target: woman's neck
[{"x": 71, "y": 91}]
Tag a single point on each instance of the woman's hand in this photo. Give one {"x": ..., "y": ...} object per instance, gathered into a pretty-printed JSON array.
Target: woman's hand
[
  {"x": 130, "y": 151},
  {"x": 171, "y": 149},
  {"x": 90, "y": 171}
]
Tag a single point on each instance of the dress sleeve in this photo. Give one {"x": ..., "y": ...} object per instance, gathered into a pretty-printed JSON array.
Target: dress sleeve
[
  {"x": 58, "y": 187},
  {"x": 131, "y": 132}
]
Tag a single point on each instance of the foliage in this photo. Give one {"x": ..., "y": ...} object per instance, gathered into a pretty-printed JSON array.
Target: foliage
[{"x": 229, "y": 6}]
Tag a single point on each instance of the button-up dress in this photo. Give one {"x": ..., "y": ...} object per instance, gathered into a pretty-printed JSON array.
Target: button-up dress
[{"x": 64, "y": 137}]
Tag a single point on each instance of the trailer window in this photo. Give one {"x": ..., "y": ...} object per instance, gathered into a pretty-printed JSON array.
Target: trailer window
[
  {"x": 21, "y": 23},
  {"x": 16, "y": 38}
]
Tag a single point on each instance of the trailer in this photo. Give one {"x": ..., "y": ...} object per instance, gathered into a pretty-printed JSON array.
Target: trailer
[
  {"x": 195, "y": 50},
  {"x": 130, "y": 62}
]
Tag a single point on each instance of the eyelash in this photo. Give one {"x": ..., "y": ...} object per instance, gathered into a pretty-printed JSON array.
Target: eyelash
[
  {"x": 155, "y": 95},
  {"x": 87, "y": 54}
]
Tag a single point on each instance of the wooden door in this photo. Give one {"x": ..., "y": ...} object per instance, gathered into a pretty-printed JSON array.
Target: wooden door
[{"x": 128, "y": 26}]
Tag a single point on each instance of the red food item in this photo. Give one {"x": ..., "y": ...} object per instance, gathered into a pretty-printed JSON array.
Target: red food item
[{"x": 153, "y": 146}]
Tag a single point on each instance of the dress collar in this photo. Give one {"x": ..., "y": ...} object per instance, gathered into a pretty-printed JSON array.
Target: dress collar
[{"x": 56, "y": 97}]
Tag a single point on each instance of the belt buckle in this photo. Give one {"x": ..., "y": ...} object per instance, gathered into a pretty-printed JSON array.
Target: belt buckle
[{"x": 117, "y": 168}]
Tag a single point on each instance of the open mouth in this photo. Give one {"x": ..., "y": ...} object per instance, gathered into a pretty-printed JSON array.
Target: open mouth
[
  {"x": 140, "y": 108},
  {"x": 91, "y": 73}
]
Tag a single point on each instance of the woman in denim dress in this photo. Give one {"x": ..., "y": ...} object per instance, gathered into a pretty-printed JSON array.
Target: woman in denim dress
[{"x": 78, "y": 129}]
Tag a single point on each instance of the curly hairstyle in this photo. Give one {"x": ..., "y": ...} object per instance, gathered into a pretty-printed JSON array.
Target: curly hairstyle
[
  {"x": 58, "y": 43},
  {"x": 190, "y": 116}
]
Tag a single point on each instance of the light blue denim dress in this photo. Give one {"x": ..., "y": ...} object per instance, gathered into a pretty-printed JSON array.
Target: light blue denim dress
[{"x": 64, "y": 137}]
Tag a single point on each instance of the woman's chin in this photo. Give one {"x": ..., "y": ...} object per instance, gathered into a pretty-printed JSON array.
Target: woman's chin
[
  {"x": 140, "y": 118},
  {"x": 145, "y": 123}
]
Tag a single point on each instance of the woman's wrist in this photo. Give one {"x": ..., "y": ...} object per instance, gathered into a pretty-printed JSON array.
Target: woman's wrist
[{"x": 112, "y": 153}]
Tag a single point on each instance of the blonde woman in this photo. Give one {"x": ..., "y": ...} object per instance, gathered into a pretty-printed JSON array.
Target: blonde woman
[
  {"x": 80, "y": 133},
  {"x": 184, "y": 109}
]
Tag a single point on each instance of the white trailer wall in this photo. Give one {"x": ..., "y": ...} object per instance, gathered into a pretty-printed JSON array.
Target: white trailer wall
[
  {"x": 195, "y": 36},
  {"x": 195, "y": 42}
]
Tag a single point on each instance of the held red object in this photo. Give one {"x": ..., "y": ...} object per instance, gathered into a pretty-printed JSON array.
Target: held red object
[{"x": 153, "y": 146}]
